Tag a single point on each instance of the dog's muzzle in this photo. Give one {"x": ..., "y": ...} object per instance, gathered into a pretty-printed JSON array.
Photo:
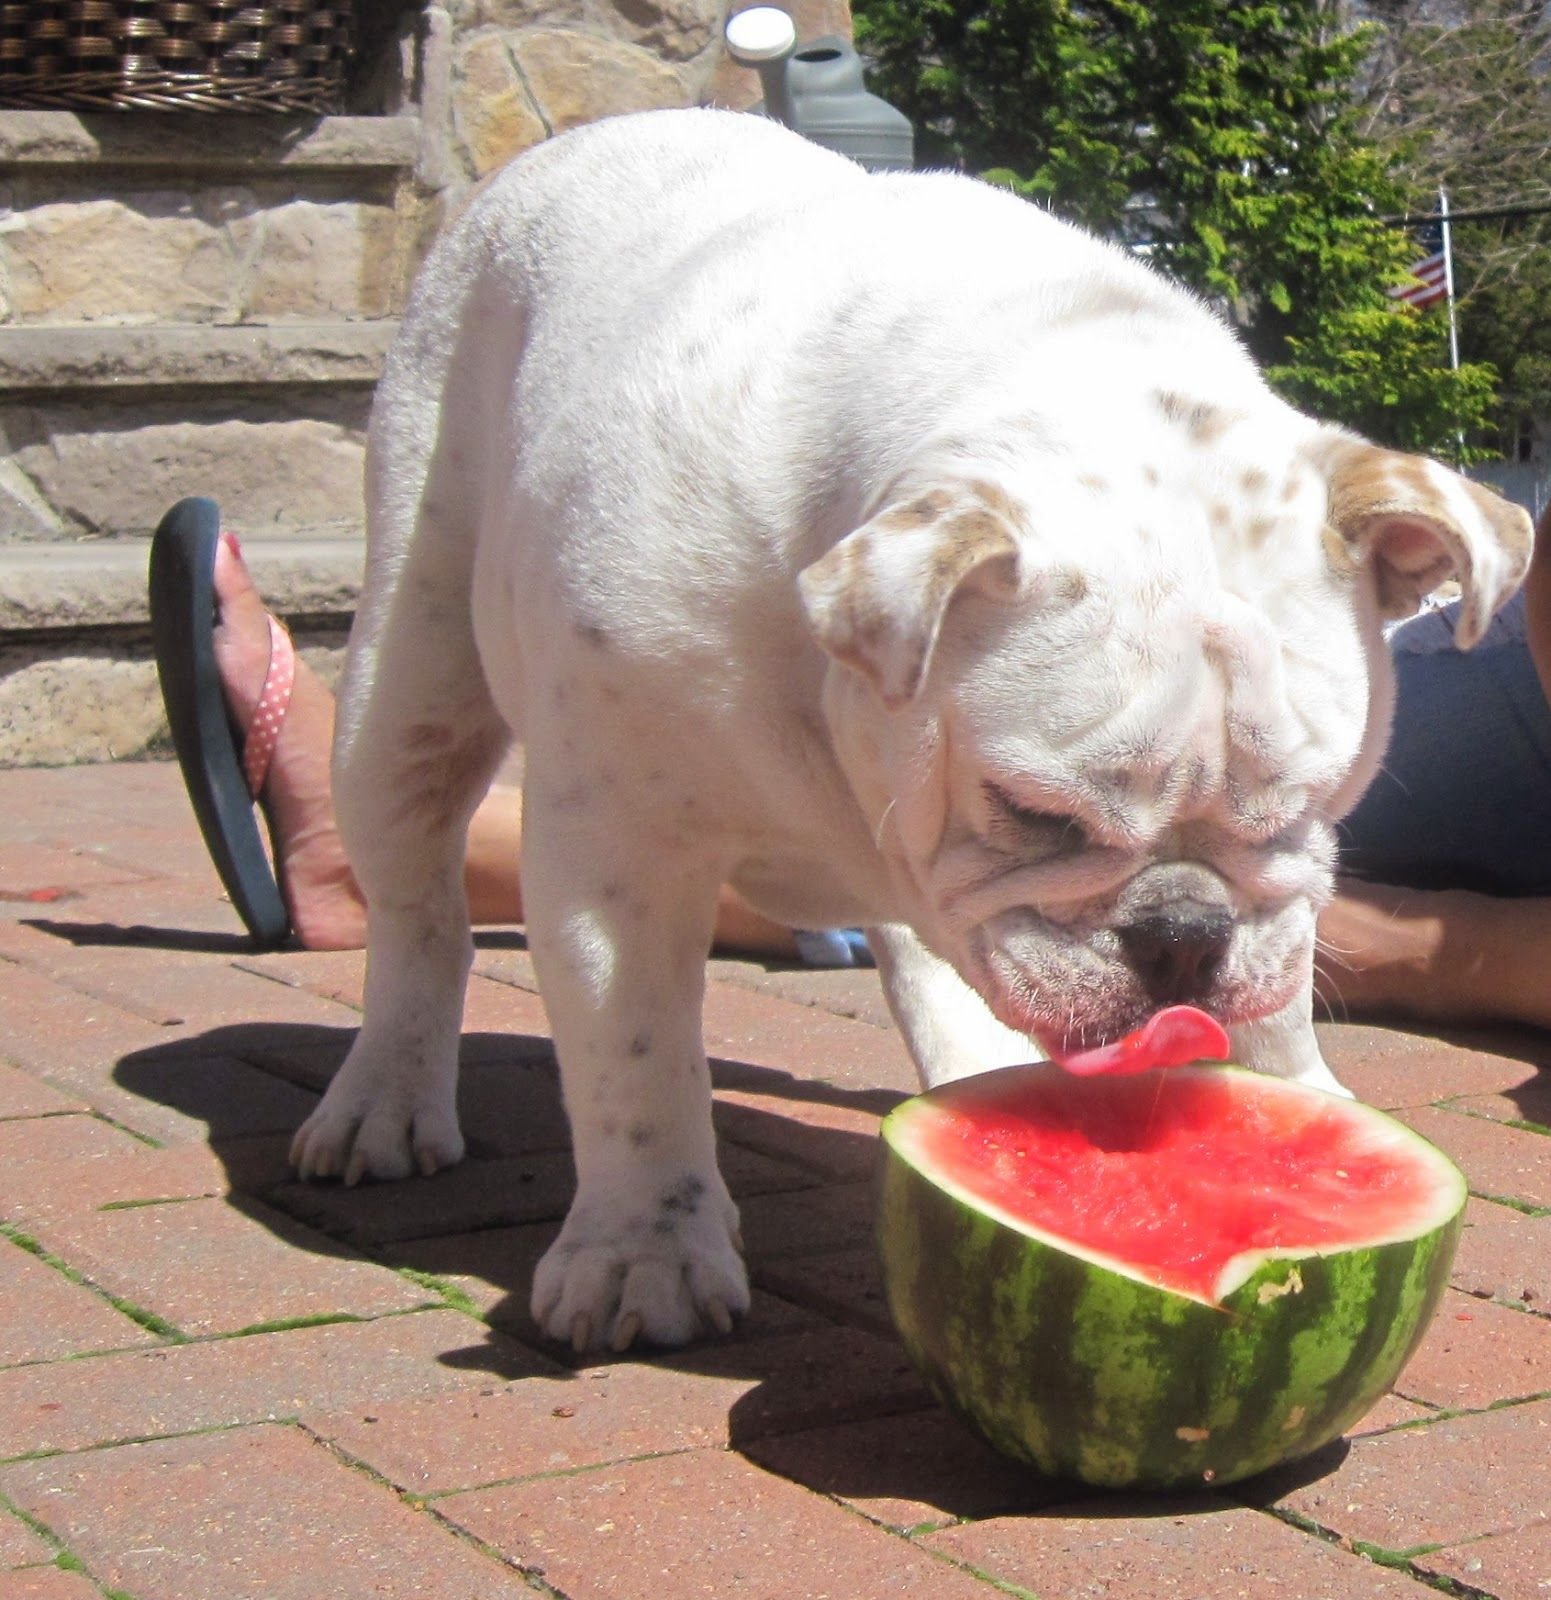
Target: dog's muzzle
[{"x": 1177, "y": 951}]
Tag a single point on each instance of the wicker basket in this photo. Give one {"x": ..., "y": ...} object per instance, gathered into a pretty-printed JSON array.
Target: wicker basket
[{"x": 174, "y": 55}]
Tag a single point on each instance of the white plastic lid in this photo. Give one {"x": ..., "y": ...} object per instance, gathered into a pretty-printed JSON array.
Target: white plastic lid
[{"x": 762, "y": 33}]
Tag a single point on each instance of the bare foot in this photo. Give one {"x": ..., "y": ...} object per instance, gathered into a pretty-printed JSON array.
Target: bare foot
[{"x": 327, "y": 911}]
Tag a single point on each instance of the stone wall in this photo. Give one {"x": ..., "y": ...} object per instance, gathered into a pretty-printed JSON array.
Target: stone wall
[
  {"x": 525, "y": 69},
  {"x": 194, "y": 303},
  {"x": 202, "y": 304}
]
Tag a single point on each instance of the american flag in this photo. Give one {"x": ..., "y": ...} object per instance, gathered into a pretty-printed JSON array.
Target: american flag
[{"x": 1431, "y": 272}]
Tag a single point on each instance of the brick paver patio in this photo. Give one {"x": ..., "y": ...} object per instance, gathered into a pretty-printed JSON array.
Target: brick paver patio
[{"x": 216, "y": 1383}]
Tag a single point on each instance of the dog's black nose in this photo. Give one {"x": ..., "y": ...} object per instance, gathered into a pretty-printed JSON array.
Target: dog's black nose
[{"x": 1176, "y": 953}]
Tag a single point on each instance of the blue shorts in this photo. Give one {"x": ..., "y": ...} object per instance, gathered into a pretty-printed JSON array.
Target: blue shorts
[{"x": 1463, "y": 800}]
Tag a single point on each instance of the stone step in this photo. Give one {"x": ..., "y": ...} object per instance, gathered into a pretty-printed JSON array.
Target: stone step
[
  {"x": 77, "y": 679},
  {"x": 198, "y": 303},
  {"x": 104, "y": 426},
  {"x": 93, "y": 356}
]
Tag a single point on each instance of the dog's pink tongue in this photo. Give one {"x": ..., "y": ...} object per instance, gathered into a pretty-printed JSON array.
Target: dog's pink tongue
[{"x": 1172, "y": 1038}]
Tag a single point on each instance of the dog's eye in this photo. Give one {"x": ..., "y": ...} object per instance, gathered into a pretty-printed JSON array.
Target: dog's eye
[{"x": 1051, "y": 830}]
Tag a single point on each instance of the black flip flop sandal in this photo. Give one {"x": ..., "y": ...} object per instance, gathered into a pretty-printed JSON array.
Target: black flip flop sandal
[{"x": 183, "y": 617}]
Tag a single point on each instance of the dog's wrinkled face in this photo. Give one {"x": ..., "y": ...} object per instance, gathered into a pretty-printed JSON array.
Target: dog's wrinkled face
[
  {"x": 1151, "y": 825},
  {"x": 1106, "y": 801},
  {"x": 1106, "y": 769}
]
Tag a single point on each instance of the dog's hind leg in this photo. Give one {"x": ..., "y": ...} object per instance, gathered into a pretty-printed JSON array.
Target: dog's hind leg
[{"x": 419, "y": 740}]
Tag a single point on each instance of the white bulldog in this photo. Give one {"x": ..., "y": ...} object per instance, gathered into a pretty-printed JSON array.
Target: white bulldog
[{"x": 892, "y": 551}]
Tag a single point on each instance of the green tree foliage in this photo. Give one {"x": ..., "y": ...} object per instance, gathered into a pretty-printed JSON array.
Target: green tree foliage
[{"x": 1224, "y": 139}]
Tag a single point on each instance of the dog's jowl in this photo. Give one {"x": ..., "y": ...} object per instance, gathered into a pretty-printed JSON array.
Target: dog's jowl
[{"x": 891, "y": 551}]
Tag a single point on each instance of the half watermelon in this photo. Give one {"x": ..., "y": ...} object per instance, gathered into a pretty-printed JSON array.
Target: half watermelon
[{"x": 1178, "y": 1277}]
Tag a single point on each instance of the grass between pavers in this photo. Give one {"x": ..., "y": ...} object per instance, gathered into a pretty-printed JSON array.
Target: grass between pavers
[
  {"x": 454, "y": 1298},
  {"x": 532, "y": 1576},
  {"x": 67, "y": 1562},
  {"x": 429, "y": 1503},
  {"x": 1438, "y": 1581},
  {"x": 112, "y": 1122},
  {"x": 429, "y": 1498},
  {"x": 1523, "y": 1207},
  {"x": 1001, "y": 1585},
  {"x": 1394, "y": 1560},
  {"x": 1456, "y": 1105},
  {"x": 1397, "y": 1560},
  {"x": 1523, "y": 1124},
  {"x": 65, "y": 1559},
  {"x": 1447, "y": 1413},
  {"x": 1519, "y": 1125},
  {"x": 1403, "y": 1560},
  {"x": 444, "y": 1295},
  {"x": 315, "y": 1319},
  {"x": 1455, "y": 1413},
  {"x": 137, "y": 1314}
]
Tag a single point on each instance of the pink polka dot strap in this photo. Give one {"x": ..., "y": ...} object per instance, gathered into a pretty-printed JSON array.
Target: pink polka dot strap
[{"x": 269, "y": 715}]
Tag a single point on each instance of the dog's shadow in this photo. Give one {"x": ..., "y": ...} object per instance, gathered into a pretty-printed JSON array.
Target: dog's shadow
[
  {"x": 1531, "y": 1098},
  {"x": 815, "y": 1356},
  {"x": 826, "y": 1395}
]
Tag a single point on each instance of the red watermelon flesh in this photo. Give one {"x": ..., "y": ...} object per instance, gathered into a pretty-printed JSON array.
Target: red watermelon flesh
[{"x": 1183, "y": 1180}]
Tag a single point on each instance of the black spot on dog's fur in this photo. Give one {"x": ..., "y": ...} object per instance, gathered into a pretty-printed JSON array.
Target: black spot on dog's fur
[{"x": 678, "y": 1204}]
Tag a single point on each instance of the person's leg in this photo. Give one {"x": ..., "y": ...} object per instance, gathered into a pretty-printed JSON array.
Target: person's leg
[
  {"x": 327, "y": 911},
  {"x": 1463, "y": 800},
  {"x": 1440, "y": 955},
  {"x": 494, "y": 884},
  {"x": 1445, "y": 909},
  {"x": 326, "y": 906},
  {"x": 1537, "y": 603}
]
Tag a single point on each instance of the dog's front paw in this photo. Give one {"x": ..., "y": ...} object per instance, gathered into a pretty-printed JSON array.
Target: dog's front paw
[
  {"x": 361, "y": 1132},
  {"x": 663, "y": 1273}
]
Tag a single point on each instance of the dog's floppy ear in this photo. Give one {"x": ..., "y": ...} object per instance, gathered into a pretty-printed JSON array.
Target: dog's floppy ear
[
  {"x": 1415, "y": 523},
  {"x": 877, "y": 599}
]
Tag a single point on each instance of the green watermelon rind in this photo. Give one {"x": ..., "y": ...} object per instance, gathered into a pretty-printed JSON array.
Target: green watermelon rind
[{"x": 1091, "y": 1373}]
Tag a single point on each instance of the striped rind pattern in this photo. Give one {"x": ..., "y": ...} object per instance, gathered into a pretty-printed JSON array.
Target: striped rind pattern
[{"x": 1087, "y": 1373}]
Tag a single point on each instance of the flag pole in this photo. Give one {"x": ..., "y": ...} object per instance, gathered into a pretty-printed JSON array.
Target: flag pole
[
  {"x": 1448, "y": 274},
  {"x": 1448, "y": 292}
]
